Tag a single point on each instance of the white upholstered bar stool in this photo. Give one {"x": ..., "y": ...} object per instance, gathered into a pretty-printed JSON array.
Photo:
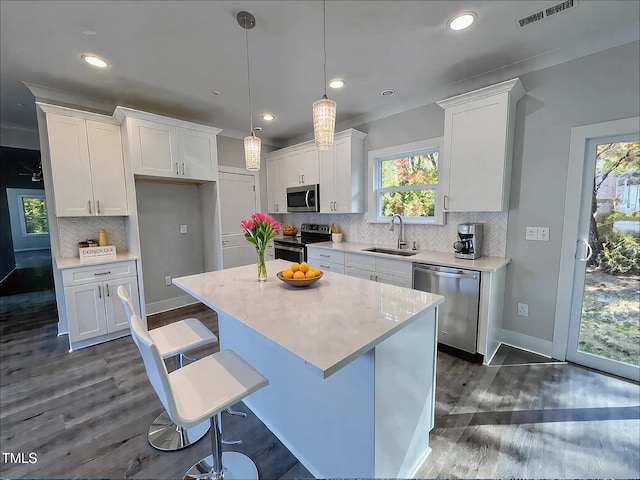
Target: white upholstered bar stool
[
  {"x": 198, "y": 392},
  {"x": 173, "y": 340}
]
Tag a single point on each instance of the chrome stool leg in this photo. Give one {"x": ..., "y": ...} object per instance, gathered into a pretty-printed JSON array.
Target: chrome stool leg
[
  {"x": 219, "y": 465},
  {"x": 236, "y": 412}
]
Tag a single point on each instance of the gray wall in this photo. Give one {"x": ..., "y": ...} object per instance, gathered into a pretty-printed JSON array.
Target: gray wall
[
  {"x": 162, "y": 208},
  {"x": 592, "y": 89}
]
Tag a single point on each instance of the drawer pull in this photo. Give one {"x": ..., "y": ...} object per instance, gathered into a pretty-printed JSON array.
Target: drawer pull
[
  {"x": 323, "y": 255},
  {"x": 102, "y": 273},
  {"x": 325, "y": 266}
]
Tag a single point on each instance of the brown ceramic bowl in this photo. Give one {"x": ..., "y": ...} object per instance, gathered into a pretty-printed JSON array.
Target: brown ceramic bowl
[{"x": 303, "y": 282}]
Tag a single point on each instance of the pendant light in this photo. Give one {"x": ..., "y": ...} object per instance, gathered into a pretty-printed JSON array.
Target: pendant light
[
  {"x": 251, "y": 142},
  {"x": 324, "y": 110}
]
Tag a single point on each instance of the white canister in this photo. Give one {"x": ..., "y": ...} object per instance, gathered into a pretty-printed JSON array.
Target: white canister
[{"x": 336, "y": 237}]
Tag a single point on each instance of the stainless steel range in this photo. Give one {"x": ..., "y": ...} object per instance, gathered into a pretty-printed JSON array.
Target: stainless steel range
[{"x": 293, "y": 248}]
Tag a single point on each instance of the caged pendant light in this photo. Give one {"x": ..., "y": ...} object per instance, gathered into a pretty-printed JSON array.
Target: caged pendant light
[
  {"x": 324, "y": 110},
  {"x": 251, "y": 142}
]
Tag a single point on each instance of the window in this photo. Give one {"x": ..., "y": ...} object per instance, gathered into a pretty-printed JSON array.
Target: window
[
  {"x": 34, "y": 215},
  {"x": 404, "y": 180}
]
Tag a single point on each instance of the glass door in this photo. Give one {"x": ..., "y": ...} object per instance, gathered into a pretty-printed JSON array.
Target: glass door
[{"x": 604, "y": 330}]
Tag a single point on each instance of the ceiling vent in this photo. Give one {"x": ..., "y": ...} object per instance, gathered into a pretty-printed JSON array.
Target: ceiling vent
[{"x": 547, "y": 12}]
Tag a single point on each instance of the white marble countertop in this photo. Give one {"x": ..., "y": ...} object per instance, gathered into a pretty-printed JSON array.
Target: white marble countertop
[
  {"x": 72, "y": 262},
  {"x": 328, "y": 324},
  {"x": 486, "y": 264}
]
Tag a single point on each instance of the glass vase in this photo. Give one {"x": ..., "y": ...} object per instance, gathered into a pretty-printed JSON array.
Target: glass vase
[{"x": 262, "y": 268}]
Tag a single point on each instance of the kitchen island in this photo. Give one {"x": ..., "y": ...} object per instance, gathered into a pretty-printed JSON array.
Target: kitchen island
[{"x": 350, "y": 362}]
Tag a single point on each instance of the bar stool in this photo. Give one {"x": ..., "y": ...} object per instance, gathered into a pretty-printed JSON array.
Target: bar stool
[
  {"x": 174, "y": 340},
  {"x": 198, "y": 392}
]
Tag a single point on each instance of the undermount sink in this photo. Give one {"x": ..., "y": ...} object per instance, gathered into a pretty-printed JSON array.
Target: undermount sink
[{"x": 389, "y": 251}]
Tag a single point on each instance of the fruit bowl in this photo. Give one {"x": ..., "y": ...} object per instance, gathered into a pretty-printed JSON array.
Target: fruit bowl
[
  {"x": 289, "y": 230},
  {"x": 299, "y": 283}
]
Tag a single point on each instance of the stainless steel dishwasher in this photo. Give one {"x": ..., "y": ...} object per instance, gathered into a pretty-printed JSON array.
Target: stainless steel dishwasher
[{"x": 458, "y": 315}]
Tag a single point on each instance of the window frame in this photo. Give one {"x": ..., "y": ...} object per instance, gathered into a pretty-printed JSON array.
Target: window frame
[
  {"x": 23, "y": 219},
  {"x": 374, "y": 167}
]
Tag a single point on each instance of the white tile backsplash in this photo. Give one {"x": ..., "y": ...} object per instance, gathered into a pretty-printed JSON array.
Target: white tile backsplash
[
  {"x": 72, "y": 230},
  {"x": 437, "y": 238}
]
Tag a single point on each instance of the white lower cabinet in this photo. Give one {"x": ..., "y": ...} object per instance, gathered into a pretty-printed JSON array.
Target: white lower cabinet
[
  {"x": 326, "y": 260},
  {"x": 383, "y": 270},
  {"x": 94, "y": 311}
]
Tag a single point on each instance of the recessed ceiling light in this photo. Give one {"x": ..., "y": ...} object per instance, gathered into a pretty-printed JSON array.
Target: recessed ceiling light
[
  {"x": 267, "y": 116},
  {"x": 387, "y": 93},
  {"x": 336, "y": 83},
  {"x": 461, "y": 21},
  {"x": 95, "y": 61}
]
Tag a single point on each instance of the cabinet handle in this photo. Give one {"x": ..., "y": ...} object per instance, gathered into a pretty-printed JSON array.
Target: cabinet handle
[
  {"x": 445, "y": 203},
  {"x": 183, "y": 170},
  {"x": 323, "y": 255},
  {"x": 99, "y": 292},
  {"x": 89, "y": 205},
  {"x": 177, "y": 171},
  {"x": 98, "y": 206},
  {"x": 102, "y": 273},
  {"x": 225, "y": 241},
  {"x": 106, "y": 288},
  {"x": 326, "y": 266},
  {"x": 302, "y": 178},
  {"x": 371, "y": 277}
]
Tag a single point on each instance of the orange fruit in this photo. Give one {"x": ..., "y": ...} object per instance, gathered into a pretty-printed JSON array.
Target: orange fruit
[
  {"x": 287, "y": 273},
  {"x": 304, "y": 268},
  {"x": 295, "y": 267},
  {"x": 310, "y": 274},
  {"x": 298, "y": 275},
  {"x": 316, "y": 271}
]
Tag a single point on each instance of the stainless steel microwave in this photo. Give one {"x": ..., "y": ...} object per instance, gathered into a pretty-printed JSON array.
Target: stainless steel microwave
[{"x": 305, "y": 198}]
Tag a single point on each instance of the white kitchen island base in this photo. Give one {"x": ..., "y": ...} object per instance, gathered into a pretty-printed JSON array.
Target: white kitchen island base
[
  {"x": 351, "y": 365},
  {"x": 369, "y": 419}
]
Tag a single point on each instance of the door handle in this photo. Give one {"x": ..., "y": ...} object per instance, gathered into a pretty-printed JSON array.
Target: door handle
[
  {"x": 306, "y": 198},
  {"x": 589, "y": 251}
]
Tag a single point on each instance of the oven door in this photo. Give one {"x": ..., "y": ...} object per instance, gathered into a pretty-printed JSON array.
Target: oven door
[{"x": 288, "y": 252}]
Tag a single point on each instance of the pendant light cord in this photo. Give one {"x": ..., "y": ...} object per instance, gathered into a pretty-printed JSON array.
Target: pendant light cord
[
  {"x": 324, "y": 42},
  {"x": 246, "y": 37}
]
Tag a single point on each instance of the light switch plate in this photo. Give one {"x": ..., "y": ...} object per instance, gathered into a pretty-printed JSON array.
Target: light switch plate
[
  {"x": 531, "y": 233},
  {"x": 543, "y": 234},
  {"x": 183, "y": 229}
]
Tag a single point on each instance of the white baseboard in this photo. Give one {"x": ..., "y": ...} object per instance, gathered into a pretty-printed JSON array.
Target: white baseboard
[
  {"x": 169, "y": 304},
  {"x": 526, "y": 342}
]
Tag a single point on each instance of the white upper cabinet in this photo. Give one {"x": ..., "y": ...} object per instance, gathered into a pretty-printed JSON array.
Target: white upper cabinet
[
  {"x": 342, "y": 174},
  {"x": 87, "y": 165},
  {"x": 159, "y": 146},
  {"x": 276, "y": 196},
  {"x": 478, "y": 148}
]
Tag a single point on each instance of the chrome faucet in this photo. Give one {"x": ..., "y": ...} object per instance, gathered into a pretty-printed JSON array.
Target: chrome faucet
[{"x": 401, "y": 241}]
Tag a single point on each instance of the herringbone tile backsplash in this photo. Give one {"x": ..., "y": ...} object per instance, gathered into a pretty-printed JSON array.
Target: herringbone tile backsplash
[
  {"x": 437, "y": 238},
  {"x": 72, "y": 230}
]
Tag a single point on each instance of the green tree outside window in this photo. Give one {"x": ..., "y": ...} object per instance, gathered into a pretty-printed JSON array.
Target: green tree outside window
[{"x": 35, "y": 215}]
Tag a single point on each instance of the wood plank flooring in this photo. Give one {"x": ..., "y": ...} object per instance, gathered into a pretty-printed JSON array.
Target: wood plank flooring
[{"x": 86, "y": 414}]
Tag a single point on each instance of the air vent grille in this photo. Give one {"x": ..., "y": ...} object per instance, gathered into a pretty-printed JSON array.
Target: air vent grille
[{"x": 535, "y": 17}]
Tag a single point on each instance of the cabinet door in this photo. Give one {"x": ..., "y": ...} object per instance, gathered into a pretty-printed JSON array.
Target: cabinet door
[
  {"x": 348, "y": 188},
  {"x": 310, "y": 166},
  {"x": 154, "y": 149},
  {"x": 116, "y": 318},
  {"x": 70, "y": 168},
  {"x": 107, "y": 169},
  {"x": 327, "y": 180},
  {"x": 289, "y": 169},
  {"x": 276, "y": 194},
  {"x": 476, "y": 141},
  {"x": 85, "y": 311},
  {"x": 360, "y": 273},
  {"x": 197, "y": 154}
]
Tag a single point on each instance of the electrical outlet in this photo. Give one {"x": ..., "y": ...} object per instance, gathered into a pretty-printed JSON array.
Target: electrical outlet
[
  {"x": 531, "y": 233},
  {"x": 543, "y": 234},
  {"x": 523, "y": 309},
  {"x": 183, "y": 229},
  {"x": 167, "y": 281}
]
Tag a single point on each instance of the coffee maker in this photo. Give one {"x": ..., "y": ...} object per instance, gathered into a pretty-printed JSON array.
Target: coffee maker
[{"x": 469, "y": 244}]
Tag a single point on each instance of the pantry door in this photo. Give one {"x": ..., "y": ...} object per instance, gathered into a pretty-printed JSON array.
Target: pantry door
[
  {"x": 603, "y": 320},
  {"x": 239, "y": 199}
]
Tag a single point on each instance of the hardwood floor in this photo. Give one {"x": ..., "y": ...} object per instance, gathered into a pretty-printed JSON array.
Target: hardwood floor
[{"x": 86, "y": 414}]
